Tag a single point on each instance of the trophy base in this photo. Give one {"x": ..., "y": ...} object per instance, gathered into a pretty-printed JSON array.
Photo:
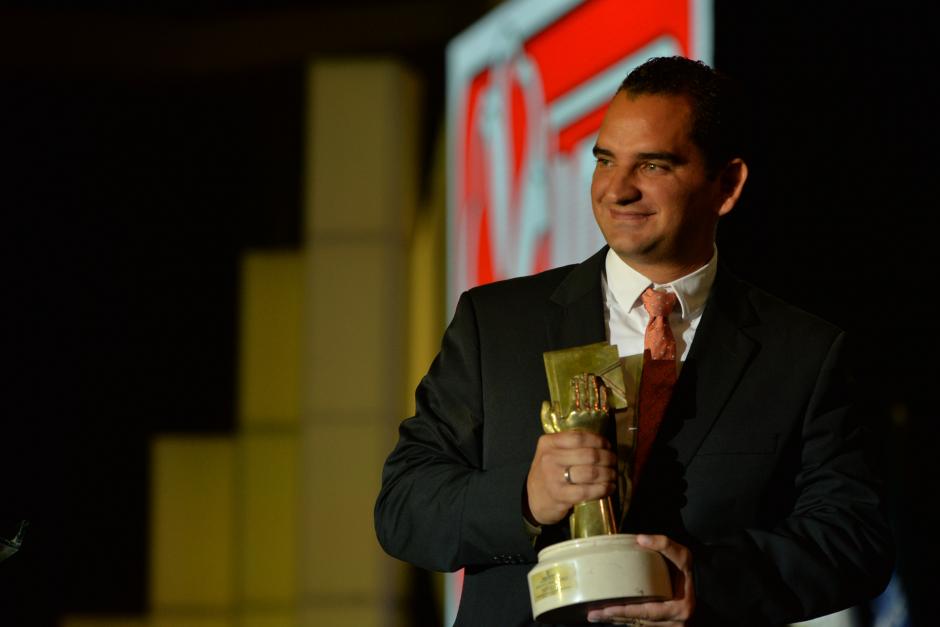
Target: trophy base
[{"x": 576, "y": 576}]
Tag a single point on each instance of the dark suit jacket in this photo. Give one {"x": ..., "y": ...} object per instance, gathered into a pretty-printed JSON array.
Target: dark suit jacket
[{"x": 758, "y": 467}]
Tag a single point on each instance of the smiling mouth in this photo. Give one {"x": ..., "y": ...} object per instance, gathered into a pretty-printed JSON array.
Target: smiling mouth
[{"x": 630, "y": 215}]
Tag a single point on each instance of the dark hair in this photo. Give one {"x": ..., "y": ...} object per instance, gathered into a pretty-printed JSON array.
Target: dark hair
[{"x": 718, "y": 115}]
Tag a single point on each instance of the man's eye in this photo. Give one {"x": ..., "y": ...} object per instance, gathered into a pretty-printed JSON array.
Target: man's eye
[
  {"x": 654, "y": 168},
  {"x": 603, "y": 161}
]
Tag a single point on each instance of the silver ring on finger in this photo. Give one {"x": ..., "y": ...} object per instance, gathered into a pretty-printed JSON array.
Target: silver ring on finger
[{"x": 568, "y": 478}]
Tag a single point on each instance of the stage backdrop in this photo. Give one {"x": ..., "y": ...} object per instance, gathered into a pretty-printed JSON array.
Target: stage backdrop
[{"x": 527, "y": 87}]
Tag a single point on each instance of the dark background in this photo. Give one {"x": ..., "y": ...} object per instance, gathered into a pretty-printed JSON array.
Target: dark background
[{"x": 137, "y": 164}]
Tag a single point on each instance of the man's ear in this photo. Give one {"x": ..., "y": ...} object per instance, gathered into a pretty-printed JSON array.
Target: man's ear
[{"x": 731, "y": 180}]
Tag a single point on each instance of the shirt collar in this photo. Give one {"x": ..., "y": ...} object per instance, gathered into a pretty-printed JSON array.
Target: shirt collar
[{"x": 626, "y": 284}]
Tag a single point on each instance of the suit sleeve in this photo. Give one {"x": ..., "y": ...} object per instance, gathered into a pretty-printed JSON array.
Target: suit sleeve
[
  {"x": 832, "y": 550},
  {"x": 438, "y": 507}
]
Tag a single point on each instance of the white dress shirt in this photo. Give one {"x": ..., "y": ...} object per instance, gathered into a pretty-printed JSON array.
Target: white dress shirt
[{"x": 627, "y": 318}]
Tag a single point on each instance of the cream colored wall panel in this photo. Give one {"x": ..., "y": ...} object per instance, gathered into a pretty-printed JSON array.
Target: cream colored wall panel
[
  {"x": 356, "y": 329},
  {"x": 351, "y": 615},
  {"x": 341, "y": 470},
  {"x": 286, "y": 618},
  {"x": 426, "y": 278},
  {"x": 192, "y": 536},
  {"x": 268, "y": 497},
  {"x": 362, "y": 146},
  {"x": 271, "y": 338},
  {"x": 193, "y": 619},
  {"x": 361, "y": 199},
  {"x": 104, "y": 621}
]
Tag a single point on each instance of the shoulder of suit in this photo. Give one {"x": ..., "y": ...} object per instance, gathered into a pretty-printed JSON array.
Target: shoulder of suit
[
  {"x": 540, "y": 285},
  {"x": 777, "y": 313}
]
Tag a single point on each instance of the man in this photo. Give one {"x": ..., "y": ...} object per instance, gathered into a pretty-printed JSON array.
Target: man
[{"x": 755, "y": 490}]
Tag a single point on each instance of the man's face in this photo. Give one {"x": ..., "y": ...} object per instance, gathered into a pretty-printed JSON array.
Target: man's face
[{"x": 651, "y": 196}]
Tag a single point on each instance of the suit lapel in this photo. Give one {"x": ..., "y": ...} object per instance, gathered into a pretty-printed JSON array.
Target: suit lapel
[
  {"x": 719, "y": 354},
  {"x": 575, "y": 314}
]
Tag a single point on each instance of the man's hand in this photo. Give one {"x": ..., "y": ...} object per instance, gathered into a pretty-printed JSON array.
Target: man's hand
[
  {"x": 591, "y": 474},
  {"x": 676, "y": 611}
]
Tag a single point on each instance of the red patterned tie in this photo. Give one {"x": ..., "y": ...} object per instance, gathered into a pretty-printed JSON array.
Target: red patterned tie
[{"x": 659, "y": 373}]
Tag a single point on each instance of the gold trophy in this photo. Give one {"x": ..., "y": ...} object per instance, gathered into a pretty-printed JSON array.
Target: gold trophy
[{"x": 598, "y": 566}]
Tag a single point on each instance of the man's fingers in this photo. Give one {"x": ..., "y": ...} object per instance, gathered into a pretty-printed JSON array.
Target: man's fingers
[
  {"x": 585, "y": 457},
  {"x": 574, "y": 448},
  {"x": 589, "y": 463},
  {"x": 674, "y": 612},
  {"x": 587, "y": 474},
  {"x": 574, "y": 494},
  {"x": 672, "y": 551},
  {"x": 573, "y": 439},
  {"x": 647, "y": 612}
]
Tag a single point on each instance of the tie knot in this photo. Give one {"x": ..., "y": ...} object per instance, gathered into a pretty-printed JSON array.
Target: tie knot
[{"x": 658, "y": 304}]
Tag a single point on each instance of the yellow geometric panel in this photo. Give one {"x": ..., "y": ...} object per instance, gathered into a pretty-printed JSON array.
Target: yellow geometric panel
[
  {"x": 183, "y": 619},
  {"x": 356, "y": 330},
  {"x": 352, "y": 615},
  {"x": 362, "y": 142},
  {"x": 362, "y": 119},
  {"x": 340, "y": 556},
  {"x": 269, "y": 619},
  {"x": 271, "y": 331},
  {"x": 192, "y": 531},
  {"x": 268, "y": 498},
  {"x": 425, "y": 300}
]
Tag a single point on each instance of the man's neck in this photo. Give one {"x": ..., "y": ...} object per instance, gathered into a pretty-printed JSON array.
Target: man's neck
[{"x": 660, "y": 273}]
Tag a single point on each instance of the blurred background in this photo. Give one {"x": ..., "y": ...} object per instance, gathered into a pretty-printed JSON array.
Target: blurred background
[{"x": 223, "y": 232}]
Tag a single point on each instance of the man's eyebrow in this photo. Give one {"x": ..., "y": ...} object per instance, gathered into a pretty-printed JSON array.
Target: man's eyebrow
[{"x": 669, "y": 157}]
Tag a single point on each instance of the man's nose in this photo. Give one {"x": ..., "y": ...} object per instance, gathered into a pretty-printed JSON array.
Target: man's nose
[{"x": 622, "y": 187}]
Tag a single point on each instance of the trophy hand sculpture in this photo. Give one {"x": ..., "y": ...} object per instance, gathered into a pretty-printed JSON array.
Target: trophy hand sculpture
[
  {"x": 598, "y": 566},
  {"x": 589, "y": 413}
]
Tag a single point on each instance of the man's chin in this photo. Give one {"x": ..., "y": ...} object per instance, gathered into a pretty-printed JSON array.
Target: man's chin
[{"x": 640, "y": 254}]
